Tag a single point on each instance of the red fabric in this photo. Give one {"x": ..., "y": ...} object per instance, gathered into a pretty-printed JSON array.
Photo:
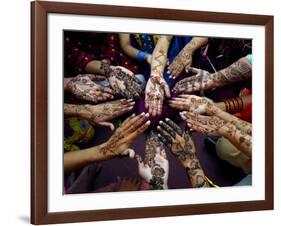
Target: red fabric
[
  {"x": 246, "y": 114},
  {"x": 82, "y": 47}
]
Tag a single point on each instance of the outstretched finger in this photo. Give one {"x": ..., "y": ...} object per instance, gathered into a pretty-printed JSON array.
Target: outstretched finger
[
  {"x": 107, "y": 124},
  {"x": 167, "y": 129},
  {"x": 173, "y": 125},
  {"x": 165, "y": 134},
  {"x": 159, "y": 106},
  {"x": 167, "y": 90},
  {"x": 129, "y": 152},
  {"x": 163, "y": 140},
  {"x": 140, "y": 162},
  {"x": 138, "y": 131},
  {"x": 193, "y": 69},
  {"x": 96, "y": 77},
  {"x": 175, "y": 104}
]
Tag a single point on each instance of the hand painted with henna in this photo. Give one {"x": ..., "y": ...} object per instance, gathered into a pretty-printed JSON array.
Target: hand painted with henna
[
  {"x": 122, "y": 80},
  {"x": 195, "y": 104},
  {"x": 201, "y": 80},
  {"x": 179, "y": 141},
  {"x": 83, "y": 87},
  {"x": 181, "y": 61},
  {"x": 119, "y": 143},
  {"x": 100, "y": 114},
  {"x": 156, "y": 173},
  {"x": 155, "y": 92},
  {"x": 209, "y": 125},
  {"x": 183, "y": 148}
]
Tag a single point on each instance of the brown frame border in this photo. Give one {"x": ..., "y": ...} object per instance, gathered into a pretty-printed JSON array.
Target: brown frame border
[{"x": 39, "y": 106}]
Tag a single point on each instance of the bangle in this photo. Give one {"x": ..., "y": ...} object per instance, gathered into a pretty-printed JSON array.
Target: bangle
[
  {"x": 141, "y": 56},
  {"x": 234, "y": 105}
]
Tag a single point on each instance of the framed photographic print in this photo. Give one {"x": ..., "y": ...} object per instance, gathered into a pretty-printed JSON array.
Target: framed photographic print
[{"x": 147, "y": 112}]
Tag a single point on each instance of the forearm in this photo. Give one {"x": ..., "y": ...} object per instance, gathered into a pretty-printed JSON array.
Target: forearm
[
  {"x": 126, "y": 46},
  {"x": 77, "y": 159},
  {"x": 195, "y": 173},
  {"x": 159, "y": 56},
  {"x": 238, "y": 71},
  {"x": 196, "y": 43},
  {"x": 238, "y": 138},
  {"x": 242, "y": 125}
]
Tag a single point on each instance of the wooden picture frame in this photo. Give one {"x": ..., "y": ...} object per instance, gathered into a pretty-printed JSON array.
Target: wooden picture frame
[{"x": 39, "y": 109}]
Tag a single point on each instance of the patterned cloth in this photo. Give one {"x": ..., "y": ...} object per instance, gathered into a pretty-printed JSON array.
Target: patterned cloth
[
  {"x": 76, "y": 132},
  {"x": 80, "y": 48},
  {"x": 147, "y": 43}
]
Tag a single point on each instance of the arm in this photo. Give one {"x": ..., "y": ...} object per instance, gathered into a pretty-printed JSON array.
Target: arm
[
  {"x": 238, "y": 71},
  {"x": 215, "y": 126},
  {"x": 204, "y": 80},
  {"x": 159, "y": 56},
  {"x": 156, "y": 87},
  {"x": 117, "y": 145},
  {"x": 77, "y": 159},
  {"x": 131, "y": 51},
  {"x": 183, "y": 148}
]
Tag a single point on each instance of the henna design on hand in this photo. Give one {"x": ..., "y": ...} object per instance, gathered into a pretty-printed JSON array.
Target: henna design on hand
[
  {"x": 156, "y": 171},
  {"x": 125, "y": 135},
  {"x": 183, "y": 59},
  {"x": 155, "y": 91},
  {"x": 101, "y": 113},
  {"x": 209, "y": 125},
  {"x": 157, "y": 180},
  {"x": 122, "y": 80},
  {"x": 196, "y": 104},
  {"x": 202, "y": 80},
  {"x": 178, "y": 140},
  {"x": 183, "y": 148},
  {"x": 151, "y": 143},
  {"x": 83, "y": 87}
]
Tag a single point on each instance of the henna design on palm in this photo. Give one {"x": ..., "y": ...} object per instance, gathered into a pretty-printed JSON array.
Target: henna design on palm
[{"x": 122, "y": 80}]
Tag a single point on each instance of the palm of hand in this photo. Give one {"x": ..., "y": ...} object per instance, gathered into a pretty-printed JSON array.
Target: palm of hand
[
  {"x": 156, "y": 173},
  {"x": 201, "y": 81},
  {"x": 154, "y": 94},
  {"x": 123, "y": 82}
]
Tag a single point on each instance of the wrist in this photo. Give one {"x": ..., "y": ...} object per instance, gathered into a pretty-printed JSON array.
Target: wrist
[
  {"x": 103, "y": 153},
  {"x": 220, "y": 105},
  {"x": 190, "y": 48},
  {"x": 213, "y": 109}
]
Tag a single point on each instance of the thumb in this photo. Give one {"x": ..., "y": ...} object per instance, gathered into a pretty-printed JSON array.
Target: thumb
[
  {"x": 187, "y": 68},
  {"x": 167, "y": 90},
  {"x": 107, "y": 124},
  {"x": 140, "y": 162},
  {"x": 129, "y": 152}
]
